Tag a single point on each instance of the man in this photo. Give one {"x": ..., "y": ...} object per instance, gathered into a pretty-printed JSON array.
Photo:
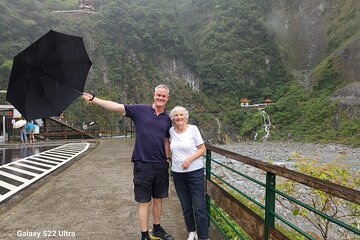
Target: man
[{"x": 150, "y": 156}]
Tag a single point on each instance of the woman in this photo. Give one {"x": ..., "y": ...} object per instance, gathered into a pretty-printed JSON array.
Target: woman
[
  {"x": 30, "y": 127},
  {"x": 187, "y": 148},
  {"x": 23, "y": 136}
]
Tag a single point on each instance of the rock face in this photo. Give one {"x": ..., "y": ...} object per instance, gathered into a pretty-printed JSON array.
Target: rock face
[
  {"x": 303, "y": 28},
  {"x": 348, "y": 61},
  {"x": 300, "y": 25},
  {"x": 176, "y": 69},
  {"x": 349, "y": 95},
  {"x": 348, "y": 64},
  {"x": 349, "y": 98}
]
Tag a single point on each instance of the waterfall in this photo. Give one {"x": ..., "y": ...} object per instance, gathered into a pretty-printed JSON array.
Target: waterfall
[
  {"x": 267, "y": 124},
  {"x": 220, "y": 134}
]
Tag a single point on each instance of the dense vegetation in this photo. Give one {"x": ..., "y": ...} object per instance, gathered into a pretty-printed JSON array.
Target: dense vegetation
[
  {"x": 225, "y": 43},
  {"x": 236, "y": 55}
]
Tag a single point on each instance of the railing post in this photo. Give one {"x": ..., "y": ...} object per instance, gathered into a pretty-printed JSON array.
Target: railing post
[
  {"x": 208, "y": 176},
  {"x": 269, "y": 203}
]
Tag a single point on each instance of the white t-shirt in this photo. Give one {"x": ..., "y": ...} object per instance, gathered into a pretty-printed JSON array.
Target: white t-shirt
[{"x": 183, "y": 145}]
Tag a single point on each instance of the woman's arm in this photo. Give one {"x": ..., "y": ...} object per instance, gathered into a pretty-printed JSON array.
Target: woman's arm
[{"x": 200, "y": 151}]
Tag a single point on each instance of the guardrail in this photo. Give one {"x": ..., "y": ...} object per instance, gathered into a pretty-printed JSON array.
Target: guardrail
[
  {"x": 57, "y": 125},
  {"x": 244, "y": 216},
  {"x": 55, "y": 133}
]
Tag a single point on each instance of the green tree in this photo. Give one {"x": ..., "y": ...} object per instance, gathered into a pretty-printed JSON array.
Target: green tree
[{"x": 335, "y": 172}]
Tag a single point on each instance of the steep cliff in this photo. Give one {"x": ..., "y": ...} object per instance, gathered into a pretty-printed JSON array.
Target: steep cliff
[{"x": 313, "y": 33}]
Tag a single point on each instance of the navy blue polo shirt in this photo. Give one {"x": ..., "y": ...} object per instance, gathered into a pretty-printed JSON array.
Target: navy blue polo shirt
[{"x": 151, "y": 131}]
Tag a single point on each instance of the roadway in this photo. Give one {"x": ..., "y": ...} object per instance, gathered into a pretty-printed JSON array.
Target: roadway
[{"x": 89, "y": 197}]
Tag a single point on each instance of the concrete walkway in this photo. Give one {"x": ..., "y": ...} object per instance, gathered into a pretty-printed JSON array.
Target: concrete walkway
[{"x": 89, "y": 198}]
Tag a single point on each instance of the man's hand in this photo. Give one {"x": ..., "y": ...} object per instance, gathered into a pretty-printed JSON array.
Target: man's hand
[{"x": 87, "y": 97}]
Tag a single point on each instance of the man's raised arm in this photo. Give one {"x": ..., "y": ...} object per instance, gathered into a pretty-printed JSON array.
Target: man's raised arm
[{"x": 109, "y": 105}]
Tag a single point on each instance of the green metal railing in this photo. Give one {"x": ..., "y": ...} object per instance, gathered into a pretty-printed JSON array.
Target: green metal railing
[{"x": 262, "y": 221}]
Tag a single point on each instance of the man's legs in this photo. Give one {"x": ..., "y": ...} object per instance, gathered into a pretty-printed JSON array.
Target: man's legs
[
  {"x": 143, "y": 216},
  {"x": 156, "y": 210},
  {"x": 159, "y": 191},
  {"x": 151, "y": 180},
  {"x": 142, "y": 190}
]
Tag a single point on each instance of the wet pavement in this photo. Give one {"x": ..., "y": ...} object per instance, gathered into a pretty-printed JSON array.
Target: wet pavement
[
  {"x": 23, "y": 172},
  {"x": 8, "y": 155},
  {"x": 90, "y": 197}
]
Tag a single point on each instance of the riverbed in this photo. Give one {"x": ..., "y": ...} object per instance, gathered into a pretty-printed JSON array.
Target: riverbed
[{"x": 281, "y": 153}]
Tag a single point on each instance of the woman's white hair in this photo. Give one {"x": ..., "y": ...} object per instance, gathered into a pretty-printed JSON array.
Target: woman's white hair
[{"x": 179, "y": 109}]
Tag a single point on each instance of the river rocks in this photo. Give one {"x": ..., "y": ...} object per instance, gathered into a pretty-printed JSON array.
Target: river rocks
[{"x": 281, "y": 153}]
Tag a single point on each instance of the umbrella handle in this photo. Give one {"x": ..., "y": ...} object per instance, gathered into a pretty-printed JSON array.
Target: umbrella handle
[
  {"x": 93, "y": 95},
  {"x": 90, "y": 93}
]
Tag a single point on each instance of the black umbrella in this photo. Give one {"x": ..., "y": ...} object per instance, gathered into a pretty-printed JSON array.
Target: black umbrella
[{"x": 48, "y": 75}]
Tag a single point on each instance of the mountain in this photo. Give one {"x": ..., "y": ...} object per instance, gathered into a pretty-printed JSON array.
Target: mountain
[
  {"x": 320, "y": 43},
  {"x": 301, "y": 54},
  {"x": 316, "y": 32}
]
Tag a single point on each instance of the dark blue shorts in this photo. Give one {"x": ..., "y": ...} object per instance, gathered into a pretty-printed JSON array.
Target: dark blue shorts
[{"x": 151, "y": 180}]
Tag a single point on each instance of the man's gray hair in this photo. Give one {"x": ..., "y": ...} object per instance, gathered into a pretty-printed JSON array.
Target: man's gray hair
[
  {"x": 179, "y": 109},
  {"x": 163, "y": 86}
]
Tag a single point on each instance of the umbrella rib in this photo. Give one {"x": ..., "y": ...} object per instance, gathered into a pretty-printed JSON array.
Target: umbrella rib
[
  {"x": 52, "y": 77},
  {"x": 58, "y": 45}
]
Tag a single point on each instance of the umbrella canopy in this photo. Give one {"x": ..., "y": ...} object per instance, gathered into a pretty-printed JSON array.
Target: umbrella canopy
[
  {"x": 19, "y": 124},
  {"x": 48, "y": 75}
]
